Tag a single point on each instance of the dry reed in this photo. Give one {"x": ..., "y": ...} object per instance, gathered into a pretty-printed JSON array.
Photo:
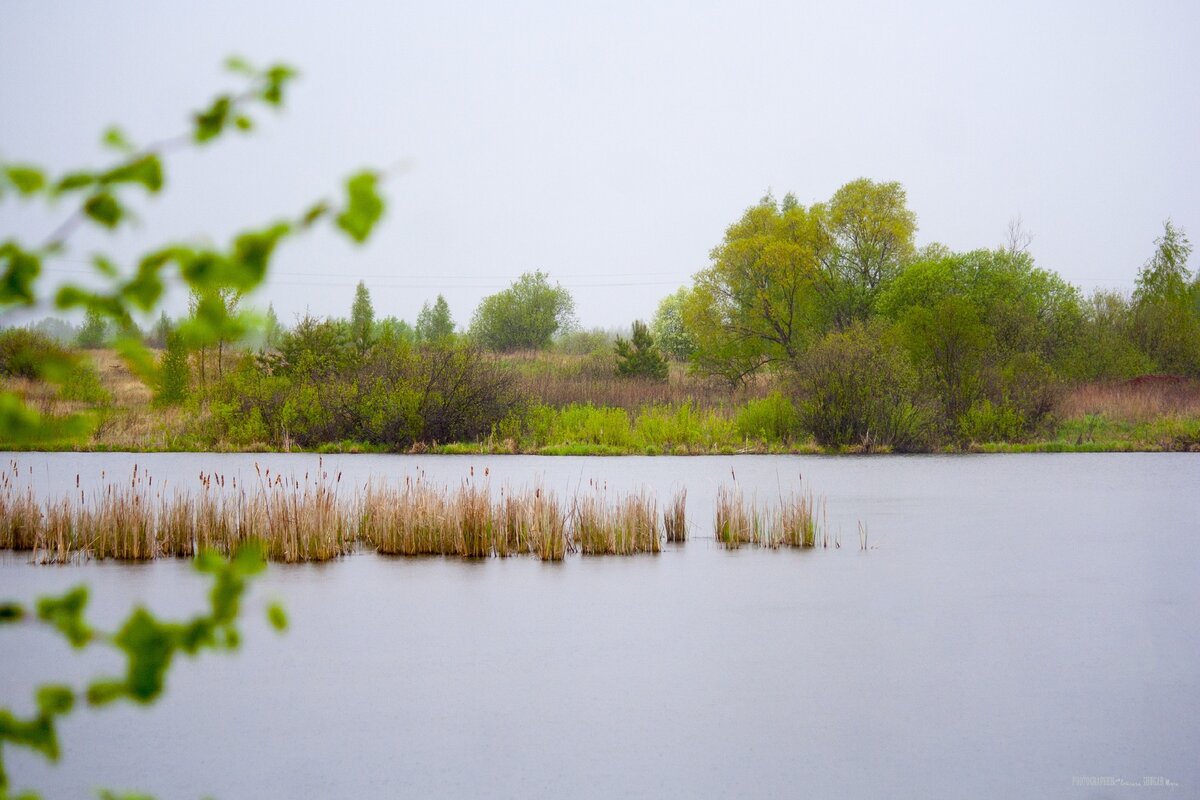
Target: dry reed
[
  {"x": 1139, "y": 400},
  {"x": 311, "y": 519},
  {"x": 675, "y": 518}
]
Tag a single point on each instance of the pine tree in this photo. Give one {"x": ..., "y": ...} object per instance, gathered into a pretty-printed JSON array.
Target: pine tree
[{"x": 640, "y": 357}]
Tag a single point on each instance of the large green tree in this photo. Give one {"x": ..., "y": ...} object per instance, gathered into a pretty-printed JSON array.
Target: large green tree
[
  {"x": 757, "y": 302},
  {"x": 525, "y": 316},
  {"x": 864, "y": 238},
  {"x": 784, "y": 274}
]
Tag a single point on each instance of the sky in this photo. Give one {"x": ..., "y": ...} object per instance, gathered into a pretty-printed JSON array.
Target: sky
[{"x": 610, "y": 144}]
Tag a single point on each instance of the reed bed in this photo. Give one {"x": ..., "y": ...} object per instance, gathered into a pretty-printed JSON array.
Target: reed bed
[
  {"x": 675, "y": 518},
  {"x": 616, "y": 524},
  {"x": 1142, "y": 399},
  {"x": 315, "y": 518},
  {"x": 795, "y": 520}
]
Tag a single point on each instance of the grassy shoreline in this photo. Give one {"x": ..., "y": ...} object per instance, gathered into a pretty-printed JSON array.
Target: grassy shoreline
[{"x": 616, "y": 418}]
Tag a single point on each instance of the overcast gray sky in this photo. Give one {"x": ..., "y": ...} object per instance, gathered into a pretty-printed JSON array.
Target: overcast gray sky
[{"x": 610, "y": 144}]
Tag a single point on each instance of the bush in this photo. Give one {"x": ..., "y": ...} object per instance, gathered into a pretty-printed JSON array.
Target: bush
[
  {"x": 82, "y": 383},
  {"x": 316, "y": 390},
  {"x": 859, "y": 388},
  {"x": 988, "y": 422},
  {"x": 772, "y": 419},
  {"x": 24, "y": 352}
]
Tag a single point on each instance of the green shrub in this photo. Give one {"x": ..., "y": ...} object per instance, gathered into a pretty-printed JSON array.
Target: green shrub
[
  {"x": 859, "y": 388},
  {"x": 772, "y": 419},
  {"x": 23, "y": 353},
  {"x": 82, "y": 383},
  {"x": 988, "y": 422}
]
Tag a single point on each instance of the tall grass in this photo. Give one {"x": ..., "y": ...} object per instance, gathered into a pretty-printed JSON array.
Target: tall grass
[
  {"x": 1139, "y": 400},
  {"x": 616, "y": 524},
  {"x": 312, "y": 518},
  {"x": 795, "y": 520},
  {"x": 675, "y": 518}
]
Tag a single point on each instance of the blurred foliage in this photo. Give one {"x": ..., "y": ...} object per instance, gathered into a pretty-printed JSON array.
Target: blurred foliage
[
  {"x": 99, "y": 196},
  {"x": 216, "y": 277},
  {"x": 146, "y": 643}
]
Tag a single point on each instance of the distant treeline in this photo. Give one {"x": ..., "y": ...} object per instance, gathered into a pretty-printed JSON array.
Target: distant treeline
[{"x": 866, "y": 338}]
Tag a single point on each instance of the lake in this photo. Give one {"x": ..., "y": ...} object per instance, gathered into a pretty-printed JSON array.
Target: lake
[{"x": 1021, "y": 626}]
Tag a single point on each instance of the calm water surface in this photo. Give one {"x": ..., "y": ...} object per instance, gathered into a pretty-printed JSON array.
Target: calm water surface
[{"x": 1022, "y": 625}]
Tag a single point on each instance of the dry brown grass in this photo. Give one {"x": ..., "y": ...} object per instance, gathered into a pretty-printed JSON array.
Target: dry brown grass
[
  {"x": 558, "y": 379},
  {"x": 1140, "y": 400}
]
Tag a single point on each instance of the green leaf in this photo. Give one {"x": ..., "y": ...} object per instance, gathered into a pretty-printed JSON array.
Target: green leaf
[
  {"x": 26, "y": 179},
  {"x": 20, "y": 269},
  {"x": 116, "y": 139},
  {"x": 146, "y": 170},
  {"x": 55, "y": 700},
  {"x": 73, "y": 181},
  {"x": 252, "y": 254},
  {"x": 364, "y": 206},
  {"x": 65, "y": 614},
  {"x": 105, "y": 266},
  {"x": 103, "y": 692},
  {"x": 137, "y": 357},
  {"x": 146, "y": 287},
  {"x": 239, "y": 66},
  {"x": 11, "y": 612},
  {"x": 149, "y": 646},
  {"x": 277, "y": 617},
  {"x": 243, "y": 123},
  {"x": 104, "y": 208},
  {"x": 210, "y": 123},
  {"x": 314, "y": 213},
  {"x": 277, "y": 77}
]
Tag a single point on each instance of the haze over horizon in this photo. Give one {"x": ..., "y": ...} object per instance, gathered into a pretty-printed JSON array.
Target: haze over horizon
[{"x": 611, "y": 147}]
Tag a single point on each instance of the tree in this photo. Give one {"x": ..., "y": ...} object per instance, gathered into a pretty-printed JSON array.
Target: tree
[
  {"x": 1167, "y": 305},
  {"x": 524, "y": 316},
  {"x": 221, "y": 303},
  {"x": 757, "y": 303},
  {"x": 94, "y": 332},
  {"x": 669, "y": 329},
  {"x": 434, "y": 323},
  {"x": 272, "y": 330},
  {"x": 159, "y": 333},
  {"x": 639, "y": 357},
  {"x": 784, "y": 274},
  {"x": 865, "y": 236},
  {"x": 173, "y": 372},
  {"x": 362, "y": 319}
]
